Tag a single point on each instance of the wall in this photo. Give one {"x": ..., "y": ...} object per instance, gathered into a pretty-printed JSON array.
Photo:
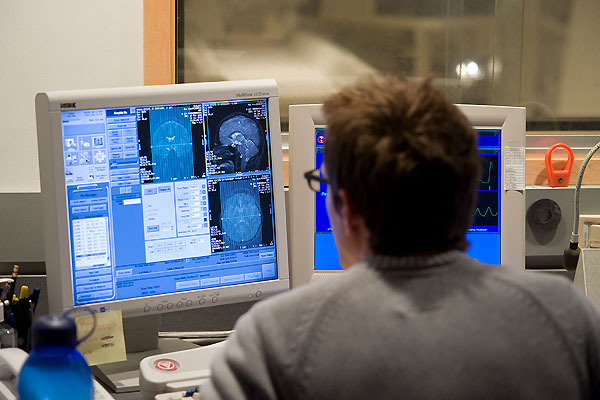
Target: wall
[{"x": 55, "y": 45}]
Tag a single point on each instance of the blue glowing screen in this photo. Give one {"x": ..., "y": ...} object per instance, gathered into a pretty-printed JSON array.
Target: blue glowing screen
[
  {"x": 168, "y": 198},
  {"x": 483, "y": 236}
]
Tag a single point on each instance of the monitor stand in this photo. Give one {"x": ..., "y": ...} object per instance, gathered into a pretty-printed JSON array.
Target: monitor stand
[{"x": 141, "y": 341}]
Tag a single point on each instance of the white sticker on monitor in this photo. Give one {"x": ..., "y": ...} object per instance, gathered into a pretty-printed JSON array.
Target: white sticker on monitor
[{"x": 514, "y": 168}]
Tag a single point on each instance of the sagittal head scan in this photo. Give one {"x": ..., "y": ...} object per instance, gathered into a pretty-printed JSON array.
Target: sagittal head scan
[{"x": 240, "y": 144}]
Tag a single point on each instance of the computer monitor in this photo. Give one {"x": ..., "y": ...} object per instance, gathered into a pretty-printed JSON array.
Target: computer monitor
[
  {"x": 162, "y": 198},
  {"x": 497, "y": 235}
]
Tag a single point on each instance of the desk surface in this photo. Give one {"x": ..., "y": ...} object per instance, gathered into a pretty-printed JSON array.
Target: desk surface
[{"x": 127, "y": 396}]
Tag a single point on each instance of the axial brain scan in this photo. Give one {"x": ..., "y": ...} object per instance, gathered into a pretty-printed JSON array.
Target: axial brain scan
[{"x": 241, "y": 215}]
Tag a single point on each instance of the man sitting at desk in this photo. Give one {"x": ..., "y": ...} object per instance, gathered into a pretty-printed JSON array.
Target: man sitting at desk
[{"x": 412, "y": 316}]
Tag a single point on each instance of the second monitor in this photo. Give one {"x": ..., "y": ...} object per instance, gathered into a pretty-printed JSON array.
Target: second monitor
[{"x": 497, "y": 234}]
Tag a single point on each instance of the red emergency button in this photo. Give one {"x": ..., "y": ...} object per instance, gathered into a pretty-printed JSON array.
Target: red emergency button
[{"x": 166, "y": 364}]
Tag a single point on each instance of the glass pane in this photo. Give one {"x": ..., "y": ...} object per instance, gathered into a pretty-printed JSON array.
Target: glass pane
[
  {"x": 314, "y": 47},
  {"x": 561, "y": 63}
]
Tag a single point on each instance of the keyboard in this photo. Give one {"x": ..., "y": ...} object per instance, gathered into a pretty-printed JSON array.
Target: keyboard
[{"x": 100, "y": 393}]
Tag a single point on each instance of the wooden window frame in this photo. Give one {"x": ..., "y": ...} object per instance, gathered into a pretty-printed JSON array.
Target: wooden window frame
[{"x": 159, "y": 42}]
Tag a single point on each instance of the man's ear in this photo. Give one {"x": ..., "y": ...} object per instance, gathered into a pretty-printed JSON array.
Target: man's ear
[{"x": 352, "y": 221}]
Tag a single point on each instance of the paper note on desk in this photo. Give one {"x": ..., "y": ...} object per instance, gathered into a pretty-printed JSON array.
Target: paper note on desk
[{"x": 107, "y": 344}]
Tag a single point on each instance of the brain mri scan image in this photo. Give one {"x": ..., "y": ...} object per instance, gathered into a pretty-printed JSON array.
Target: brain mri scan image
[
  {"x": 240, "y": 144},
  {"x": 240, "y": 215},
  {"x": 171, "y": 141}
]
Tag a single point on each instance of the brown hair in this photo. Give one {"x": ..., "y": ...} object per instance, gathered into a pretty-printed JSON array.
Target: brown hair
[{"x": 409, "y": 161}]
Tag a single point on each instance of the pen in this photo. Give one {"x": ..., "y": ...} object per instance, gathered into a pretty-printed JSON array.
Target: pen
[
  {"x": 35, "y": 296},
  {"x": 11, "y": 320},
  {"x": 14, "y": 282},
  {"x": 30, "y": 318},
  {"x": 24, "y": 292}
]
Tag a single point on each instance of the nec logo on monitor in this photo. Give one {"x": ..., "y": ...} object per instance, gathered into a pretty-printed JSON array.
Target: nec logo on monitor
[{"x": 67, "y": 105}]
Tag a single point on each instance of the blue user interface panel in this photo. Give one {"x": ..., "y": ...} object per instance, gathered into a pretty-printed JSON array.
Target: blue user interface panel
[
  {"x": 483, "y": 235},
  {"x": 168, "y": 198},
  {"x": 326, "y": 255}
]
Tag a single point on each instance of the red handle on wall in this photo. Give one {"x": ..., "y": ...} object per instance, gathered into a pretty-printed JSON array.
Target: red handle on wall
[{"x": 559, "y": 177}]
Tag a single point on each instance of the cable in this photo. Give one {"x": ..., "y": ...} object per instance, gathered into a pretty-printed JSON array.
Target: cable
[{"x": 571, "y": 253}]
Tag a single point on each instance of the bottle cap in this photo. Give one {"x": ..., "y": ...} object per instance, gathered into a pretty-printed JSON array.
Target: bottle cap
[{"x": 54, "y": 330}]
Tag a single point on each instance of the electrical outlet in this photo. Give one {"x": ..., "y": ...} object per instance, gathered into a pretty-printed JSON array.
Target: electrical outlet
[
  {"x": 594, "y": 236},
  {"x": 585, "y": 221}
]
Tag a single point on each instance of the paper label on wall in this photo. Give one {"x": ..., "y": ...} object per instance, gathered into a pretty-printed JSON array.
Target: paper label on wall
[
  {"x": 107, "y": 343},
  {"x": 514, "y": 168}
]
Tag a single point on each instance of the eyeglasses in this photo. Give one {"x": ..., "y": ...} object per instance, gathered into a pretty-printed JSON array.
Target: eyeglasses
[{"x": 315, "y": 181}]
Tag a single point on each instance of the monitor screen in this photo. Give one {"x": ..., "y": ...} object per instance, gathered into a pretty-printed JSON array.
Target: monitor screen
[
  {"x": 496, "y": 225},
  {"x": 170, "y": 197},
  {"x": 326, "y": 257},
  {"x": 484, "y": 235}
]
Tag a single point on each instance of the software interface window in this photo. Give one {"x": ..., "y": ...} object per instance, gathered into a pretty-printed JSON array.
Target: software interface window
[
  {"x": 483, "y": 235},
  {"x": 168, "y": 198}
]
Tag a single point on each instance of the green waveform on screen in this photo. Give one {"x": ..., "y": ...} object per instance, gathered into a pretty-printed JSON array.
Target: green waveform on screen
[
  {"x": 484, "y": 214},
  {"x": 489, "y": 175}
]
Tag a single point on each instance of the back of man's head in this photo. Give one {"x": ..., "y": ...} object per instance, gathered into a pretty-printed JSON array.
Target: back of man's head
[{"x": 409, "y": 161}]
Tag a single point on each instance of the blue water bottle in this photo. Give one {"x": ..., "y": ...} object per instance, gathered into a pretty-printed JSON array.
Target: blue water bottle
[{"x": 55, "y": 369}]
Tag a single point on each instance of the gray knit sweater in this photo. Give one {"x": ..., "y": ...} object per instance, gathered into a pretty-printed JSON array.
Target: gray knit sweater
[{"x": 442, "y": 327}]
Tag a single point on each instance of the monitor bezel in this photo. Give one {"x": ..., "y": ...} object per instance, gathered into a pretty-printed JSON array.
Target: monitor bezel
[
  {"x": 305, "y": 118},
  {"x": 49, "y": 106}
]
